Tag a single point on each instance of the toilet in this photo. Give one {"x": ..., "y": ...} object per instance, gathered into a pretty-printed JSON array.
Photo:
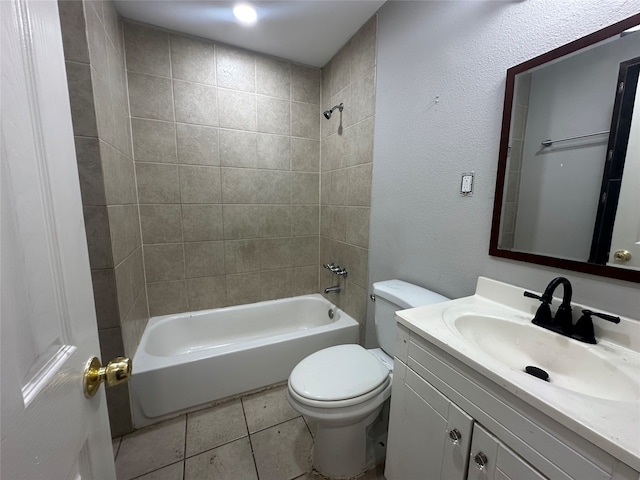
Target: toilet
[{"x": 346, "y": 388}]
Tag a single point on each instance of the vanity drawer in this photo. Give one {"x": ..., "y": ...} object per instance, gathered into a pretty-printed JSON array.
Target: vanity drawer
[{"x": 553, "y": 449}]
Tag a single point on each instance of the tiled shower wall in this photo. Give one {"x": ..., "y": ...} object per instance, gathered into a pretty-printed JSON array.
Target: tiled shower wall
[
  {"x": 347, "y": 156},
  {"x": 94, "y": 58},
  {"x": 227, "y": 153},
  {"x": 514, "y": 160}
]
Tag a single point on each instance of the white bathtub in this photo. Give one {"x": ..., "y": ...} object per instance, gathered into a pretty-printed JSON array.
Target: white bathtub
[{"x": 193, "y": 359}]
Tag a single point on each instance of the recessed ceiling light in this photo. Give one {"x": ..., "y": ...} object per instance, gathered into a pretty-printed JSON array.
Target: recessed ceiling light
[{"x": 245, "y": 13}]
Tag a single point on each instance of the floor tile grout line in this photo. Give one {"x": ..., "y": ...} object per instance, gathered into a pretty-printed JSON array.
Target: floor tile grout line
[
  {"x": 184, "y": 452},
  {"x": 253, "y": 453}
]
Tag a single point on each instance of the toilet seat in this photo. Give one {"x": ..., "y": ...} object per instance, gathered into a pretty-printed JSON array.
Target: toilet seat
[{"x": 338, "y": 376}]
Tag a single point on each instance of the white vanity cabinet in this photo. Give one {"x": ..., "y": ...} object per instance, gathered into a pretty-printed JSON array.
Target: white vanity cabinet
[{"x": 447, "y": 420}]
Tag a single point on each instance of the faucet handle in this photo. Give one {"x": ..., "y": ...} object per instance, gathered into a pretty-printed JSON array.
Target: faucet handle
[
  {"x": 543, "y": 314},
  {"x": 604, "y": 316},
  {"x": 583, "y": 330}
]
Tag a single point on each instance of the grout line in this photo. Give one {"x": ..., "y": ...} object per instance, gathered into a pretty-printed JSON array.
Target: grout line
[
  {"x": 246, "y": 423},
  {"x": 160, "y": 468},
  {"x": 184, "y": 452}
]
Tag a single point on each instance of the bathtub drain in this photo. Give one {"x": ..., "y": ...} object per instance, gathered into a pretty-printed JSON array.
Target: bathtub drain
[{"x": 331, "y": 313}]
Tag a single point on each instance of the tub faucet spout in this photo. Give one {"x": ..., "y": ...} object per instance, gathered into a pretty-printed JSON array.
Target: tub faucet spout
[{"x": 334, "y": 289}]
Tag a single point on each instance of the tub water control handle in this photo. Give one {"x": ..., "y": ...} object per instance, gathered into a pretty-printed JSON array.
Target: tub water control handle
[
  {"x": 454, "y": 435},
  {"x": 115, "y": 372}
]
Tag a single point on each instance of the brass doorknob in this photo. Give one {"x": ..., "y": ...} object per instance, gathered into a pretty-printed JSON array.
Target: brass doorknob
[
  {"x": 115, "y": 372},
  {"x": 622, "y": 255}
]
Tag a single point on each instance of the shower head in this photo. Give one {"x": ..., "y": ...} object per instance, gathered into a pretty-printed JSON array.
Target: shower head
[{"x": 327, "y": 113}]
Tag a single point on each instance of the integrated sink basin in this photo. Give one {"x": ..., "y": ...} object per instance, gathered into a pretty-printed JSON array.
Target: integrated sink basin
[{"x": 508, "y": 337}]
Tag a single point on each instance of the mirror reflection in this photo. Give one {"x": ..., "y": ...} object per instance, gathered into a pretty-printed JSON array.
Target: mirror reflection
[{"x": 572, "y": 180}]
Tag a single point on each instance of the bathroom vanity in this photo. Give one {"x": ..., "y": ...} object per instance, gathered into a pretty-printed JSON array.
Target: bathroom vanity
[{"x": 463, "y": 407}]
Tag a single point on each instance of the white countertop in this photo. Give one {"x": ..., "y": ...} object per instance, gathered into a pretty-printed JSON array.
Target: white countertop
[{"x": 612, "y": 425}]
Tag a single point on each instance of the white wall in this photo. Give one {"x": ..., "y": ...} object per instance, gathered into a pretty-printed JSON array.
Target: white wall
[
  {"x": 560, "y": 185},
  {"x": 440, "y": 88}
]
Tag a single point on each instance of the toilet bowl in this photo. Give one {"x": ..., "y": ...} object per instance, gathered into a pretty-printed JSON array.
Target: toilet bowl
[{"x": 346, "y": 389}]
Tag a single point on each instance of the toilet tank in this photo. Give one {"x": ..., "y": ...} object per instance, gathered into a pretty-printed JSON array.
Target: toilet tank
[{"x": 394, "y": 295}]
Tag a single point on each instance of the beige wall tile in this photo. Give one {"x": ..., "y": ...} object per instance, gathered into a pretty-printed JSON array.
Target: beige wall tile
[
  {"x": 325, "y": 221},
  {"x": 304, "y": 280},
  {"x": 83, "y": 113},
  {"x": 154, "y": 141},
  {"x": 275, "y": 253},
  {"x": 304, "y": 251},
  {"x": 200, "y": 184},
  {"x": 363, "y": 94},
  {"x": 341, "y": 69},
  {"x": 274, "y": 115},
  {"x": 164, "y": 262},
  {"x": 105, "y": 298},
  {"x": 237, "y": 109},
  {"x": 275, "y": 221},
  {"x": 204, "y": 259},
  {"x": 273, "y": 77},
  {"x": 110, "y": 344},
  {"x": 275, "y": 284},
  {"x": 123, "y": 129},
  {"x": 305, "y": 188},
  {"x": 161, "y": 223},
  {"x": 339, "y": 187},
  {"x": 243, "y": 288},
  {"x": 97, "y": 40},
  {"x": 206, "y": 292},
  {"x": 241, "y": 221},
  {"x": 363, "y": 49},
  {"x": 119, "y": 176},
  {"x": 74, "y": 36},
  {"x": 124, "y": 226},
  {"x": 305, "y": 155},
  {"x": 274, "y": 151},
  {"x": 274, "y": 186},
  {"x": 167, "y": 297},
  {"x": 157, "y": 183},
  {"x": 238, "y": 148},
  {"x": 119, "y": 409},
  {"x": 195, "y": 103},
  {"x": 197, "y": 145},
  {"x": 358, "y": 226},
  {"x": 355, "y": 303},
  {"x": 255, "y": 186},
  {"x": 139, "y": 315},
  {"x": 305, "y": 84},
  {"x": 202, "y": 222},
  {"x": 360, "y": 185},
  {"x": 90, "y": 170},
  {"x": 305, "y": 120},
  {"x": 356, "y": 261},
  {"x": 325, "y": 188},
  {"x": 305, "y": 220},
  {"x": 96, "y": 225},
  {"x": 241, "y": 256},
  {"x": 150, "y": 97},
  {"x": 192, "y": 60},
  {"x": 147, "y": 50},
  {"x": 236, "y": 68},
  {"x": 361, "y": 142},
  {"x": 338, "y": 223},
  {"x": 103, "y": 102}
]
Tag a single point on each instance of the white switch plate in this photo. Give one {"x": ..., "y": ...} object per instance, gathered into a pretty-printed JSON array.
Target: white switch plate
[{"x": 466, "y": 185}]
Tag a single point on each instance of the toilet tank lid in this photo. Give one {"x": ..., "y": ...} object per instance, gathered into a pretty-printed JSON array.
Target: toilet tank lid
[{"x": 406, "y": 295}]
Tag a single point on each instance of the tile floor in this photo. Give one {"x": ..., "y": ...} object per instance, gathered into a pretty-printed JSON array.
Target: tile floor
[{"x": 256, "y": 437}]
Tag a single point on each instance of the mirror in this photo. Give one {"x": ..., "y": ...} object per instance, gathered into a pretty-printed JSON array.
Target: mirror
[{"x": 568, "y": 184}]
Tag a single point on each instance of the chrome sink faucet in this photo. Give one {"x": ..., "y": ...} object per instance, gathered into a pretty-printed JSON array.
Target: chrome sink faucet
[{"x": 562, "y": 323}]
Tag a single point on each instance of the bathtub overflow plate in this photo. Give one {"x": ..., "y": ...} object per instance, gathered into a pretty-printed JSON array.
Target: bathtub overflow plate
[{"x": 330, "y": 313}]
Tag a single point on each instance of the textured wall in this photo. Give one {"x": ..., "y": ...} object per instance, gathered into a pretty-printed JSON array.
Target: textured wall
[
  {"x": 94, "y": 55},
  {"x": 457, "y": 53},
  {"x": 227, "y": 149},
  {"x": 347, "y": 155}
]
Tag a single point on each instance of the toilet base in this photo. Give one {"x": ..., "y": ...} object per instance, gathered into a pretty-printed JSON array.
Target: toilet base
[{"x": 345, "y": 451}]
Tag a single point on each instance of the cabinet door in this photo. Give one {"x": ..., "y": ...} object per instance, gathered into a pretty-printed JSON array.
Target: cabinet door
[
  {"x": 419, "y": 445},
  {"x": 492, "y": 460}
]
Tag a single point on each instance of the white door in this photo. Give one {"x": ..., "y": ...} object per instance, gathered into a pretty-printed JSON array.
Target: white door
[
  {"x": 50, "y": 430},
  {"x": 626, "y": 228}
]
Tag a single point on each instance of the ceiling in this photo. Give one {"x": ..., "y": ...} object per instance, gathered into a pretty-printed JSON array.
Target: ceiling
[{"x": 303, "y": 31}]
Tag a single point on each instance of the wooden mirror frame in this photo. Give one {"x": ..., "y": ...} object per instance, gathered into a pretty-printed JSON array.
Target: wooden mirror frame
[{"x": 593, "y": 269}]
